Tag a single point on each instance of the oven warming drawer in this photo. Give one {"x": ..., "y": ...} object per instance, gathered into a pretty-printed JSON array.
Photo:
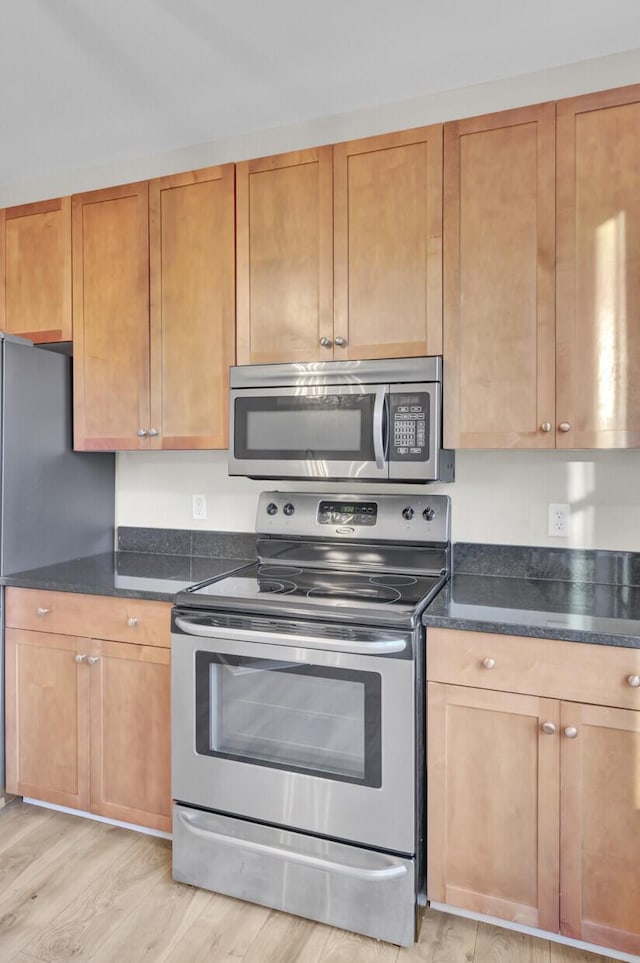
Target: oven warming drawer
[{"x": 345, "y": 886}]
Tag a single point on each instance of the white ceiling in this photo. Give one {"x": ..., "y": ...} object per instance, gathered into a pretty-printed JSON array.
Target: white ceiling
[{"x": 87, "y": 82}]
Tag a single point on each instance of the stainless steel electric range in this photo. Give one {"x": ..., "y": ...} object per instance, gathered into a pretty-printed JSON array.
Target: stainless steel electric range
[{"x": 298, "y": 712}]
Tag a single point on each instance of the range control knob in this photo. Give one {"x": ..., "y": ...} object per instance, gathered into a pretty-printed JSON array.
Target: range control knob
[
  {"x": 272, "y": 508},
  {"x": 429, "y": 514},
  {"x": 288, "y": 509},
  {"x": 408, "y": 513}
]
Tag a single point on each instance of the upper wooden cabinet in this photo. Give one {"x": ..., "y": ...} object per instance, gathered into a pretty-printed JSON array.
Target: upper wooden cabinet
[
  {"x": 499, "y": 236},
  {"x": 35, "y": 270},
  {"x": 153, "y": 294},
  {"x": 598, "y": 270},
  {"x": 339, "y": 251},
  {"x": 284, "y": 253}
]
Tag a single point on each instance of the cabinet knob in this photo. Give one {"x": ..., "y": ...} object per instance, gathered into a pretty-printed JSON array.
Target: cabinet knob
[
  {"x": 571, "y": 732},
  {"x": 340, "y": 342},
  {"x": 564, "y": 426},
  {"x": 93, "y": 659},
  {"x": 153, "y": 432},
  {"x": 633, "y": 681},
  {"x": 79, "y": 657},
  {"x": 545, "y": 426},
  {"x": 142, "y": 432},
  {"x": 42, "y": 612},
  {"x": 489, "y": 663},
  {"x": 132, "y": 622},
  {"x": 326, "y": 342},
  {"x": 548, "y": 728}
]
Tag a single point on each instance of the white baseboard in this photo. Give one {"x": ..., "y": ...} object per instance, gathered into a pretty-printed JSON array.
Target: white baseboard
[{"x": 98, "y": 819}]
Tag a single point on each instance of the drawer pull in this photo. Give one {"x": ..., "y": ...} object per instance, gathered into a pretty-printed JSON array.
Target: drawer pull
[
  {"x": 79, "y": 657},
  {"x": 571, "y": 732},
  {"x": 548, "y": 728},
  {"x": 42, "y": 612},
  {"x": 633, "y": 681},
  {"x": 132, "y": 622},
  {"x": 489, "y": 663},
  {"x": 93, "y": 659}
]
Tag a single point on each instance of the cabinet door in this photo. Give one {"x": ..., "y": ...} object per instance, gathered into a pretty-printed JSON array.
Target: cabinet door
[
  {"x": 599, "y": 270},
  {"x": 111, "y": 318},
  {"x": 47, "y": 701},
  {"x": 284, "y": 216},
  {"x": 192, "y": 250},
  {"x": 35, "y": 270},
  {"x": 600, "y": 819},
  {"x": 131, "y": 733},
  {"x": 388, "y": 245},
  {"x": 499, "y": 307},
  {"x": 493, "y": 806}
]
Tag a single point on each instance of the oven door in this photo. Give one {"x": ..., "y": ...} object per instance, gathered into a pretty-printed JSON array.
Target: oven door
[
  {"x": 297, "y": 732},
  {"x": 315, "y": 431}
]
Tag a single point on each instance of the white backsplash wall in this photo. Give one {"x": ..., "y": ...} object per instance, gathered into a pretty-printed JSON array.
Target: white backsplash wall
[{"x": 498, "y": 496}]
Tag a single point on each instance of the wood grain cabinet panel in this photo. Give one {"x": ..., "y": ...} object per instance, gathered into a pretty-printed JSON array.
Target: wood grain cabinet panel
[
  {"x": 493, "y": 804},
  {"x": 284, "y": 253},
  {"x": 388, "y": 245},
  {"x": 598, "y": 258},
  {"x": 35, "y": 270},
  {"x": 499, "y": 287},
  {"x": 111, "y": 318},
  {"x": 192, "y": 242},
  {"x": 153, "y": 294},
  {"x": 89, "y": 719},
  {"x": 534, "y": 801},
  {"x": 340, "y": 251}
]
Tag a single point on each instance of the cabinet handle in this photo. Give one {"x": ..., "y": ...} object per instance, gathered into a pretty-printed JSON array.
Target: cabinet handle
[
  {"x": 42, "y": 612},
  {"x": 132, "y": 622},
  {"x": 340, "y": 342},
  {"x": 548, "y": 728},
  {"x": 93, "y": 659},
  {"x": 326, "y": 342},
  {"x": 571, "y": 732},
  {"x": 564, "y": 426},
  {"x": 633, "y": 681},
  {"x": 545, "y": 426},
  {"x": 488, "y": 663},
  {"x": 142, "y": 432},
  {"x": 153, "y": 432},
  {"x": 79, "y": 657}
]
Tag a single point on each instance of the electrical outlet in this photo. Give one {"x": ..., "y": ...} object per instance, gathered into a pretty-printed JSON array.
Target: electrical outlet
[
  {"x": 558, "y": 521},
  {"x": 198, "y": 506}
]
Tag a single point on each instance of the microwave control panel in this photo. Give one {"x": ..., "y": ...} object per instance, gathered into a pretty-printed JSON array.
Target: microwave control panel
[{"x": 409, "y": 415}]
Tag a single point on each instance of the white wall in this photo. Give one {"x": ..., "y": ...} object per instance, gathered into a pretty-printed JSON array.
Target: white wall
[{"x": 498, "y": 496}]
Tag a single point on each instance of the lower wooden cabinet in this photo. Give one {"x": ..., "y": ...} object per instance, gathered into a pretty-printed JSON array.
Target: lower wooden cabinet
[
  {"x": 88, "y": 720},
  {"x": 533, "y": 800}
]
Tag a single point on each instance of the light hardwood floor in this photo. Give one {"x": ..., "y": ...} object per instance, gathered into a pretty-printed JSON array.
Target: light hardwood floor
[{"x": 72, "y": 889}]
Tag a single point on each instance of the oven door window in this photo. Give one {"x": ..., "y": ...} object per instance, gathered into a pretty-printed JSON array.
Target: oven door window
[
  {"x": 299, "y": 718},
  {"x": 329, "y": 425}
]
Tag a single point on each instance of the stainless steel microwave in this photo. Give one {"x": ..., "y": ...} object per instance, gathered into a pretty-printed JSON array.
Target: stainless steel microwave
[{"x": 333, "y": 420}]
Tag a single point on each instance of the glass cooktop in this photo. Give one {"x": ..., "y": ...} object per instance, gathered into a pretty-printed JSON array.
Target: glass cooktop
[{"x": 263, "y": 587}]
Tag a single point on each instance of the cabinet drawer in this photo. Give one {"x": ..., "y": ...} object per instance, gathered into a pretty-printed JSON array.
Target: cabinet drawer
[
  {"x": 574, "y": 671},
  {"x": 90, "y": 616}
]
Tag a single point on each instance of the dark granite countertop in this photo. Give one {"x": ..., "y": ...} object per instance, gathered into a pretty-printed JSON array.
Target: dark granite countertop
[
  {"x": 133, "y": 574},
  {"x": 578, "y": 611}
]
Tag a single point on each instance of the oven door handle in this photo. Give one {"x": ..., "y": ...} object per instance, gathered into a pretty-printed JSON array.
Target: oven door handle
[
  {"x": 316, "y": 862},
  {"x": 375, "y": 647}
]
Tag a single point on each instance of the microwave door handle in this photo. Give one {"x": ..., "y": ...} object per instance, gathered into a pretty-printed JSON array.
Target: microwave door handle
[{"x": 379, "y": 447}]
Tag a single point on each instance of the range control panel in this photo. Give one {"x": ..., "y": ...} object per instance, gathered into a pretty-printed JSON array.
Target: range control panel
[
  {"x": 409, "y": 426},
  {"x": 405, "y": 518}
]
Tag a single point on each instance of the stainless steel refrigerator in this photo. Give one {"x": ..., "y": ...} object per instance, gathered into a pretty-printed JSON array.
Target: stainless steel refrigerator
[{"x": 55, "y": 504}]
